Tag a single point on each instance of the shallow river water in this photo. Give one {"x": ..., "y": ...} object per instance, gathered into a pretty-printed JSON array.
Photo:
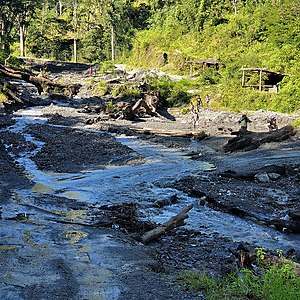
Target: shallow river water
[{"x": 144, "y": 184}]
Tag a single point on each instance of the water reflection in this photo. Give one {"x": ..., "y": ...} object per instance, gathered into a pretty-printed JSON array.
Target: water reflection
[{"x": 145, "y": 184}]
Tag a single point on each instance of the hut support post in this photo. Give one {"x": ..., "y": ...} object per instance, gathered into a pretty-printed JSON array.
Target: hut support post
[
  {"x": 243, "y": 79},
  {"x": 260, "y": 79}
]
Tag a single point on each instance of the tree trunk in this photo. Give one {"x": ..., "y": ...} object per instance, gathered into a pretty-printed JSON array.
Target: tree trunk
[
  {"x": 39, "y": 82},
  {"x": 22, "y": 40},
  {"x": 173, "y": 222},
  {"x": 235, "y": 6},
  {"x": 112, "y": 43},
  {"x": 247, "y": 140},
  {"x": 60, "y": 7},
  {"x": 1, "y": 34},
  {"x": 75, "y": 30},
  {"x": 5, "y": 30},
  {"x": 75, "y": 50}
]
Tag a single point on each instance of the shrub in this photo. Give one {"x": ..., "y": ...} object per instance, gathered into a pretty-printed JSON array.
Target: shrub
[
  {"x": 3, "y": 56},
  {"x": 296, "y": 123},
  {"x": 125, "y": 91},
  {"x": 101, "y": 88},
  {"x": 3, "y": 98},
  {"x": 109, "y": 107},
  {"x": 274, "y": 283}
]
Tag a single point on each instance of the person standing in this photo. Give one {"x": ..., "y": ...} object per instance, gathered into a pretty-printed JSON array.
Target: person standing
[
  {"x": 272, "y": 124},
  {"x": 199, "y": 104},
  {"x": 207, "y": 100},
  {"x": 244, "y": 122},
  {"x": 194, "y": 114},
  {"x": 165, "y": 58}
]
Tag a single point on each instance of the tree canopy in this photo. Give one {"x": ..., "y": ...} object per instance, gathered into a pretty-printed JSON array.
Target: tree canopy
[{"x": 239, "y": 33}]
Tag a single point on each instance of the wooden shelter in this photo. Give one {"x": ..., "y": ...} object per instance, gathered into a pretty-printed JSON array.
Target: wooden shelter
[
  {"x": 268, "y": 80},
  {"x": 203, "y": 63}
]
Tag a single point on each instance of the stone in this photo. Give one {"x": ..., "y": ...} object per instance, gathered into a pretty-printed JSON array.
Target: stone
[{"x": 262, "y": 177}]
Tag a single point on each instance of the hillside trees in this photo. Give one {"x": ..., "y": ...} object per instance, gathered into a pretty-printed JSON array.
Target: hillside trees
[
  {"x": 24, "y": 11},
  {"x": 262, "y": 34},
  {"x": 15, "y": 14},
  {"x": 236, "y": 33},
  {"x": 90, "y": 30}
]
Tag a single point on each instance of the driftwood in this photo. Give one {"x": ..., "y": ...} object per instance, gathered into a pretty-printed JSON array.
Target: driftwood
[
  {"x": 142, "y": 106},
  {"x": 244, "y": 260},
  {"x": 38, "y": 81},
  {"x": 163, "y": 132},
  {"x": 292, "y": 225},
  {"x": 295, "y": 215},
  {"x": 149, "y": 105},
  {"x": 10, "y": 91},
  {"x": 173, "y": 222},
  {"x": 166, "y": 202},
  {"x": 247, "y": 140}
]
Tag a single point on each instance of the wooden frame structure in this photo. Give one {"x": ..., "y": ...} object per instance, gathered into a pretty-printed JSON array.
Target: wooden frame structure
[
  {"x": 205, "y": 63},
  {"x": 271, "y": 83}
]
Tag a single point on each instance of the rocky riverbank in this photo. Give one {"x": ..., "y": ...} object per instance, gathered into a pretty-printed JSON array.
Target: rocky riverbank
[{"x": 57, "y": 245}]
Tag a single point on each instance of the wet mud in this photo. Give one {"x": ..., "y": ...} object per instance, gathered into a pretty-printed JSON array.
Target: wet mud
[{"x": 75, "y": 199}]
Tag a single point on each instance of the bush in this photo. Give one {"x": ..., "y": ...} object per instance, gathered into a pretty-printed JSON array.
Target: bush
[
  {"x": 274, "y": 283},
  {"x": 125, "y": 91},
  {"x": 296, "y": 123},
  {"x": 3, "y": 56},
  {"x": 100, "y": 88},
  {"x": 109, "y": 107},
  {"x": 3, "y": 98}
]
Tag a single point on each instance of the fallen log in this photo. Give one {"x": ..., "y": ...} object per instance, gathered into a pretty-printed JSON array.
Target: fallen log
[
  {"x": 290, "y": 226},
  {"x": 142, "y": 106},
  {"x": 163, "y": 132},
  {"x": 165, "y": 202},
  {"x": 175, "y": 221},
  {"x": 294, "y": 215},
  {"x": 41, "y": 83},
  {"x": 247, "y": 140},
  {"x": 10, "y": 91}
]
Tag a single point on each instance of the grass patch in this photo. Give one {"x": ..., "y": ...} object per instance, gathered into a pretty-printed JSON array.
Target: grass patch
[
  {"x": 296, "y": 123},
  {"x": 126, "y": 90},
  {"x": 101, "y": 88},
  {"x": 3, "y": 98},
  {"x": 274, "y": 283}
]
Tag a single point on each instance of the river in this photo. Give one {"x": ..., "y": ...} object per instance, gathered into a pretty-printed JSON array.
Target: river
[{"x": 143, "y": 184}]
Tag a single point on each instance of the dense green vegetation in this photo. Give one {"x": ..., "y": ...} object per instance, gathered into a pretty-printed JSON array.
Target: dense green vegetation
[
  {"x": 241, "y": 33},
  {"x": 272, "y": 282}
]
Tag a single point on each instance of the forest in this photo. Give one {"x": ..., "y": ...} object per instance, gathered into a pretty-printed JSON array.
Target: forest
[
  {"x": 149, "y": 149},
  {"x": 235, "y": 34}
]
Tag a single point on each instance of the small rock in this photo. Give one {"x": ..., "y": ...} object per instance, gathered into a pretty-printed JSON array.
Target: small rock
[
  {"x": 262, "y": 177},
  {"x": 274, "y": 176}
]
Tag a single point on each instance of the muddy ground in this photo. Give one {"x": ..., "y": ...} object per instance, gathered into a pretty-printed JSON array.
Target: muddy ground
[{"x": 53, "y": 247}]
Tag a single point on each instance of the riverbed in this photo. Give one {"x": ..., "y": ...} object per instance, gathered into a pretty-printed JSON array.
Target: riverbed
[{"x": 45, "y": 238}]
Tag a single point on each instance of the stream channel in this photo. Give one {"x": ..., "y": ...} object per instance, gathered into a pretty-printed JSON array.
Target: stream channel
[{"x": 143, "y": 184}]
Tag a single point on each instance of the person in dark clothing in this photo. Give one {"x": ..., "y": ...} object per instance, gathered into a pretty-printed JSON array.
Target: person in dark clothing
[
  {"x": 165, "y": 58},
  {"x": 194, "y": 114},
  {"x": 244, "y": 122},
  {"x": 272, "y": 124},
  {"x": 199, "y": 103}
]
